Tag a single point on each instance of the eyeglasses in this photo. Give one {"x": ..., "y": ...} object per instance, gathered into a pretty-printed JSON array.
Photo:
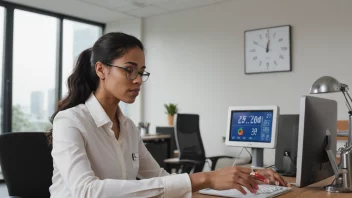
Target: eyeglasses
[{"x": 132, "y": 72}]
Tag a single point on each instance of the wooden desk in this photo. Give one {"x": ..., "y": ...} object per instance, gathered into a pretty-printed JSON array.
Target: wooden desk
[{"x": 313, "y": 191}]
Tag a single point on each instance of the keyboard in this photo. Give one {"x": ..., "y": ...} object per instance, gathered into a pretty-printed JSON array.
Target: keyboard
[{"x": 264, "y": 191}]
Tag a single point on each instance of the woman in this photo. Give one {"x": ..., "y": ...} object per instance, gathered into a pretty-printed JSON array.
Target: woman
[{"x": 98, "y": 152}]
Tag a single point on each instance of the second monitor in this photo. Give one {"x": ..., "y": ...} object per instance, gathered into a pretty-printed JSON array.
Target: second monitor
[
  {"x": 254, "y": 127},
  {"x": 316, "y": 136}
]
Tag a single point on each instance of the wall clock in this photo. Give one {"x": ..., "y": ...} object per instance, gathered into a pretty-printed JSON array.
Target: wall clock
[{"x": 268, "y": 50}]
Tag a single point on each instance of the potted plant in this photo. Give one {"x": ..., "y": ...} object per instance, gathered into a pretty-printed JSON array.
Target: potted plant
[{"x": 171, "y": 110}]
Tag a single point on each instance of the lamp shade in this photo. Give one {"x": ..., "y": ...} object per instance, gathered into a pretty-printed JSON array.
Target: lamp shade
[{"x": 325, "y": 84}]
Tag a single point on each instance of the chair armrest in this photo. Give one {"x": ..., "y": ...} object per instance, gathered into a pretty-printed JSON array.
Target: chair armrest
[
  {"x": 215, "y": 159},
  {"x": 183, "y": 161}
]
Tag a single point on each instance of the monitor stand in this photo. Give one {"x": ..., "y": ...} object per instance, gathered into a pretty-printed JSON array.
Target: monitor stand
[{"x": 257, "y": 157}]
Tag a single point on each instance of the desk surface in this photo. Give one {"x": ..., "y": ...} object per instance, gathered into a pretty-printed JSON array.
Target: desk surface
[
  {"x": 313, "y": 191},
  {"x": 155, "y": 137}
]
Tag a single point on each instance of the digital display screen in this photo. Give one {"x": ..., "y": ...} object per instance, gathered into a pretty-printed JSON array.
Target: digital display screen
[{"x": 251, "y": 126}]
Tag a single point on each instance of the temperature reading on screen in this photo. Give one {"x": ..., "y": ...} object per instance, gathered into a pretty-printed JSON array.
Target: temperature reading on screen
[
  {"x": 251, "y": 120},
  {"x": 269, "y": 116},
  {"x": 254, "y": 131},
  {"x": 242, "y": 119},
  {"x": 256, "y": 119}
]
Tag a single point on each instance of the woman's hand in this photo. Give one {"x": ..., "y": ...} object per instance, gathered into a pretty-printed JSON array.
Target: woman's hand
[
  {"x": 233, "y": 177},
  {"x": 272, "y": 177}
]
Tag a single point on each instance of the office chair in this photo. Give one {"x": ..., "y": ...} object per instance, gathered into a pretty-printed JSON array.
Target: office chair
[
  {"x": 190, "y": 145},
  {"x": 26, "y": 163}
]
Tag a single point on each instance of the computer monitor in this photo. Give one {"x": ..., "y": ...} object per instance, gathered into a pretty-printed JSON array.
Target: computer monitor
[
  {"x": 318, "y": 117},
  {"x": 286, "y": 147},
  {"x": 254, "y": 127}
]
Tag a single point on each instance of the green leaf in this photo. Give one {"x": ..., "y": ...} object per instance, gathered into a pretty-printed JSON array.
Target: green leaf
[{"x": 171, "y": 109}]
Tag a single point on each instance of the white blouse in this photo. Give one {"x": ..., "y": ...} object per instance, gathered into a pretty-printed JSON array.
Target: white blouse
[{"x": 90, "y": 162}]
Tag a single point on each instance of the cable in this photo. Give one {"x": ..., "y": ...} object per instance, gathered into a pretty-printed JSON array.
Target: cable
[
  {"x": 238, "y": 156},
  {"x": 249, "y": 153}
]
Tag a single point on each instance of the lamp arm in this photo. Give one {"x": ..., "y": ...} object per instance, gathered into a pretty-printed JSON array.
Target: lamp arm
[
  {"x": 344, "y": 89},
  {"x": 347, "y": 102},
  {"x": 349, "y": 96}
]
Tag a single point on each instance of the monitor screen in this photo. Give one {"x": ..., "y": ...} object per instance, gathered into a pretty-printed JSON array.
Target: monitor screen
[{"x": 251, "y": 126}]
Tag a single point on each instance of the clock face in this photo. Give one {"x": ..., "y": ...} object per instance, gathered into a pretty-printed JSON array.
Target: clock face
[{"x": 268, "y": 50}]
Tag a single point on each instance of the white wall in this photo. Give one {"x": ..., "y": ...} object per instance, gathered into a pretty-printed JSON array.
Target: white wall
[
  {"x": 132, "y": 27},
  {"x": 196, "y": 60}
]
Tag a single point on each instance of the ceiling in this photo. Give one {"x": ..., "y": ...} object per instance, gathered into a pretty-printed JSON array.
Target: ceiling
[{"x": 113, "y": 10}]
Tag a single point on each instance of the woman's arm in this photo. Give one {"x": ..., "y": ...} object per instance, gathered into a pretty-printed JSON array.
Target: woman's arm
[
  {"x": 71, "y": 160},
  {"x": 200, "y": 181},
  {"x": 223, "y": 179},
  {"x": 227, "y": 178},
  {"x": 233, "y": 178}
]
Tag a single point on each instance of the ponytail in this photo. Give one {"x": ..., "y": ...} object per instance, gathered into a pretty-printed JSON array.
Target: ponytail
[
  {"x": 81, "y": 83},
  {"x": 84, "y": 80}
]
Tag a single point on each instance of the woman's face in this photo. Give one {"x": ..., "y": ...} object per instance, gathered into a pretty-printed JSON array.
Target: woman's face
[{"x": 115, "y": 79}]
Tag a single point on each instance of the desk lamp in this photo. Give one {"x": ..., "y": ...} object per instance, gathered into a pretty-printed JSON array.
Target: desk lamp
[{"x": 328, "y": 84}]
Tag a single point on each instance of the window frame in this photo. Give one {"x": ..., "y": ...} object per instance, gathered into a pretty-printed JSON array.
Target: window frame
[{"x": 8, "y": 54}]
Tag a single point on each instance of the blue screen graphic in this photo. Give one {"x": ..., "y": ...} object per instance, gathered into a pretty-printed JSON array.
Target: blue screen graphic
[{"x": 251, "y": 126}]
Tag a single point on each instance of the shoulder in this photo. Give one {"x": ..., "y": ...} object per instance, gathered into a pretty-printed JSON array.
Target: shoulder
[
  {"x": 77, "y": 113},
  {"x": 77, "y": 117},
  {"x": 68, "y": 125}
]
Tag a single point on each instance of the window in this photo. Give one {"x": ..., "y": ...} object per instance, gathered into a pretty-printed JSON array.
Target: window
[
  {"x": 2, "y": 20},
  {"x": 34, "y": 71},
  {"x": 34, "y": 64},
  {"x": 76, "y": 38}
]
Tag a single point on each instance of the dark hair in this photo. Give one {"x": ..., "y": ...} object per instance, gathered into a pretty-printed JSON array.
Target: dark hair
[{"x": 84, "y": 80}]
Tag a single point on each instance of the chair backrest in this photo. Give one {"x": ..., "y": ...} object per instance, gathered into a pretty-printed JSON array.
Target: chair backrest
[
  {"x": 188, "y": 137},
  {"x": 26, "y": 163}
]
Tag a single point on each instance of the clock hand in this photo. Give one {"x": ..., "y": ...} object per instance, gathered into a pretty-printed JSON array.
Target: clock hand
[
  {"x": 260, "y": 46},
  {"x": 267, "y": 46}
]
